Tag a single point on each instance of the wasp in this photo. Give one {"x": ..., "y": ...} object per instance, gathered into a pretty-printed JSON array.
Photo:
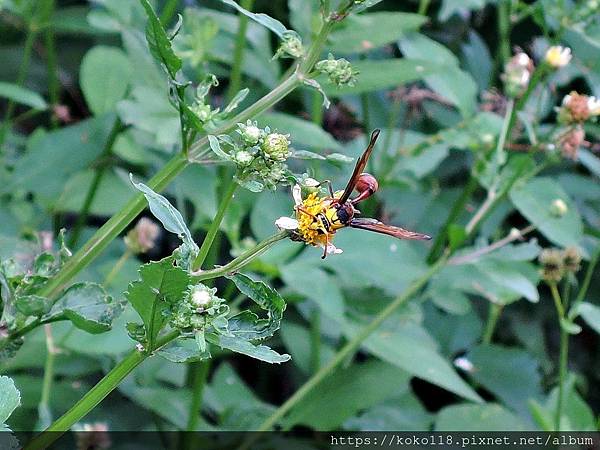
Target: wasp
[{"x": 320, "y": 217}]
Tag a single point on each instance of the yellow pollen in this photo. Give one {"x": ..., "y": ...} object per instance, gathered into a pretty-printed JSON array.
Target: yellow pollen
[{"x": 308, "y": 226}]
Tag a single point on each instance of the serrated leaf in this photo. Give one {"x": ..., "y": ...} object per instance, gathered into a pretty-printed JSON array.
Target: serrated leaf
[
  {"x": 238, "y": 345},
  {"x": 266, "y": 21},
  {"x": 10, "y": 399},
  {"x": 247, "y": 324},
  {"x": 158, "y": 41},
  {"x": 182, "y": 351},
  {"x": 88, "y": 307},
  {"x": 161, "y": 284},
  {"x": 33, "y": 305},
  {"x": 22, "y": 95},
  {"x": 534, "y": 200},
  {"x": 168, "y": 215}
]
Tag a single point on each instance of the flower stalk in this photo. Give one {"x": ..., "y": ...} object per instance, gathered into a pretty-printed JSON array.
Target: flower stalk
[{"x": 563, "y": 353}]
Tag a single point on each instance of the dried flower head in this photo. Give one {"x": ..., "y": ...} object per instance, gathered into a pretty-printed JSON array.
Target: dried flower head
[
  {"x": 558, "y": 56},
  {"x": 570, "y": 142},
  {"x": 552, "y": 269},
  {"x": 143, "y": 236},
  {"x": 577, "y": 108},
  {"x": 571, "y": 259},
  {"x": 517, "y": 73}
]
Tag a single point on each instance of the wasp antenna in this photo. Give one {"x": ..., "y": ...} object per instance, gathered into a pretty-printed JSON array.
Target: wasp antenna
[{"x": 375, "y": 135}]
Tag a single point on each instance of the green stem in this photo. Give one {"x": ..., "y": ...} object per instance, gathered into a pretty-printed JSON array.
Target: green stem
[
  {"x": 315, "y": 340},
  {"x": 200, "y": 374},
  {"x": 51, "y": 61},
  {"x": 168, "y": 11},
  {"x": 503, "y": 31},
  {"x": 117, "y": 267},
  {"x": 317, "y": 108},
  {"x": 44, "y": 405},
  {"x": 241, "y": 260},
  {"x": 587, "y": 279},
  {"x": 349, "y": 348},
  {"x": 93, "y": 189},
  {"x": 111, "y": 229},
  {"x": 214, "y": 226},
  {"x": 423, "y": 6},
  {"x": 537, "y": 76},
  {"x": 235, "y": 78},
  {"x": 95, "y": 395},
  {"x": 10, "y": 107},
  {"x": 493, "y": 315},
  {"x": 563, "y": 354}
]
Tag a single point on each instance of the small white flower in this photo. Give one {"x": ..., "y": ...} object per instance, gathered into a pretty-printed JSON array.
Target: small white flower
[
  {"x": 593, "y": 105},
  {"x": 201, "y": 297},
  {"x": 464, "y": 364},
  {"x": 566, "y": 99},
  {"x": 522, "y": 59},
  {"x": 286, "y": 223},
  {"x": 558, "y": 56},
  {"x": 243, "y": 157},
  {"x": 333, "y": 250}
]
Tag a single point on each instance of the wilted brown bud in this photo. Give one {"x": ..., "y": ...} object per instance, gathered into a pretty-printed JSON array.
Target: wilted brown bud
[
  {"x": 571, "y": 259},
  {"x": 552, "y": 265},
  {"x": 571, "y": 141}
]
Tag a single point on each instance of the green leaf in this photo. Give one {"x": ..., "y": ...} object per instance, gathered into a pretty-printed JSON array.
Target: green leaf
[
  {"x": 408, "y": 349},
  {"x": 22, "y": 95},
  {"x": 88, "y": 307},
  {"x": 246, "y": 324},
  {"x": 302, "y": 132},
  {"x": 383, "y": 74},
  {"x": 238, "y": 345},
  {"x": 158, "y": 41},
  {"x": 161, "y": 285},
  {"x": 215, "y": 146},
  {"x": 10, "y": 399},
  {"x": 451, "y": 7},
  {"x": 346, "y": 392},
  {"x": 589, "y": 160},
  {"x": 591, "y": 314},
  {"x": 452, "y": 83},
  {"x": 487, "y": 417},
  {"x": 168, "y": 215},
  {"x": 33, "y": 305},
  {"x": 477, "y": 59},
  {"x": 104, "y": 77},
  {"x": 266, "y": 21},
  {"x": 494, "y": 369},
  {"x": 182, "y": 351},
  {"x": 365, "y": 32},
  {"x": 534, "y": 200}
]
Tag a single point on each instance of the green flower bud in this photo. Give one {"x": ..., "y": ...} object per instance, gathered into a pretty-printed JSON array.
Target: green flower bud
[
  {"x": 558, "y": 208},
  {"x": 243, "y": 158},
  {"x": 291, "y": 45},
  {"x": 276, "y": 146},
  {"x": 250, "y": 133},
  {"x": 339, "y": 71}
]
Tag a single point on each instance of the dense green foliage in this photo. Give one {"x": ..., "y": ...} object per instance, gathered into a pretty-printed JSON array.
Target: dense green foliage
[{"x": 134, "y": 129}]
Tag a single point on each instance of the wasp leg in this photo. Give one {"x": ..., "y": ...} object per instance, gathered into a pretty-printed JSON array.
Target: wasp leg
[
  {"x": 329, "y": 187},
  {"x": 326, "y": 247},
  {"x": 304, "y": 211}
]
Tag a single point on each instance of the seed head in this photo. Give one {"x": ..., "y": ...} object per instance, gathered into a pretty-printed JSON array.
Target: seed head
[
  {"x": 571, "y": 259},
  {"x": 276, "y": 146},
  {"x": 552, "y": 269},
  {"x": 291, "y": 46},
  {"x": 571, "y": 141}
]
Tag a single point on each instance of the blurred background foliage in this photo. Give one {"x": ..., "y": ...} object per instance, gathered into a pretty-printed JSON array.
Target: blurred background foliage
[{"x": 431, "y": 82}]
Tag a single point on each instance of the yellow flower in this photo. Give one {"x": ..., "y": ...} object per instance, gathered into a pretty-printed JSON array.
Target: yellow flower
[{"x": 558, "y": 56}]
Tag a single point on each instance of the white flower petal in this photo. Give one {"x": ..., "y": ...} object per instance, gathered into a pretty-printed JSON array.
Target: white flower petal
[
  {"x": 311, "y": 182},
  {"x": 297, "y": 194},
  {"x": 333, "y": 250},
  {"x": 286, "y": 223}
]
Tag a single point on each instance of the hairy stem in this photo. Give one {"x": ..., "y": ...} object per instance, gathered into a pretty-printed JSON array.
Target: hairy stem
[
  {"x": 235, "y": 78},
  {"x": 349, "y": 348},
  {"x": 242, "y": 260},
  {"x": 214, "y": 226},
  {"x": 95, "y": 395}
]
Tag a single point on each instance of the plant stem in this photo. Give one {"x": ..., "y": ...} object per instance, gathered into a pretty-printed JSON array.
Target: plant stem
[
  {"x": 315, "y": 340},
  {"x": 587, "y": 279},
  {"x": 235, "y": 78},
  {"x": 214, "y": 226},
  {"x": 493, "y": 315},
  {"x": 200, "y": 374},
  {"x": 95, "y": 395},
  {"x": 423, "y": 6},
  {"x": 503, "y": 31},
  {"x": 537, "y": 76},
  {"x": 241, "y": 260},
  {"x": 349, "y": 348},
  {"x": 563, "y": 353},
  {"x": 93, "y": 189},
  {"x": 51, "y": 61},
  {"x": 10, "y": 106},
  {"x": 44, "y": 406},
  {"x": 317, "y": 108},
  {"x": 117, "y": 267}
]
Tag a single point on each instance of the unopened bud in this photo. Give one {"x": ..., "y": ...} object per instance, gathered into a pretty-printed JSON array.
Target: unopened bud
[
  {"x": 276, "y": 146},
  {"x": 143, "y": 236},
  {"x": 558, "y": 208}
]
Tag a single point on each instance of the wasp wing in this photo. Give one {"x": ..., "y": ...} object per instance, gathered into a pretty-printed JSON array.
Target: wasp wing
[
  {"x": 390, "y": 230},
  {"x": 360, "y": 166}
]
